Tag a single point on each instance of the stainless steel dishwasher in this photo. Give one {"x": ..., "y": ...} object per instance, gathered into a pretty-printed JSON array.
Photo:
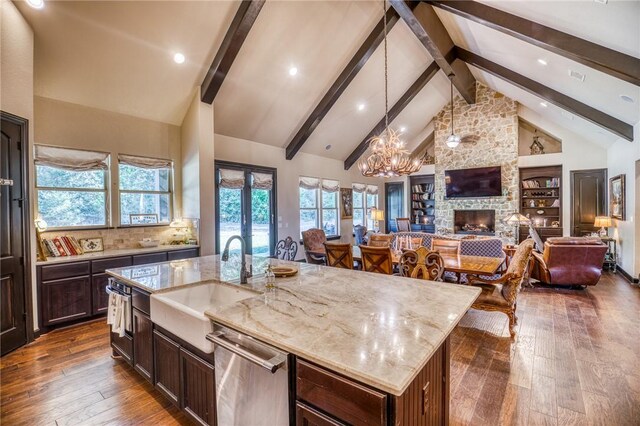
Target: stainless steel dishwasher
[{"x": 252, "y": 380}]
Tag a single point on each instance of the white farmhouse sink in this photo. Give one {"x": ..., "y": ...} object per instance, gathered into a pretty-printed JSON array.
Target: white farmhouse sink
[{"x": 181, "y": 311}]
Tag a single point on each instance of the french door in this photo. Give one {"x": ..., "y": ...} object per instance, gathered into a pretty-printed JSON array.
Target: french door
[{"x": 246, "y": 206}]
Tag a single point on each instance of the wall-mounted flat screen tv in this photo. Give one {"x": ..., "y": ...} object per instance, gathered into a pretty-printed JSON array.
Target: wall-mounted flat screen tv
[{"x": 473, "y": 183}]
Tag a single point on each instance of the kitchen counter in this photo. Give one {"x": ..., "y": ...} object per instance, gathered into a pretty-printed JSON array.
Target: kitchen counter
[
  {"x": 378, "y": 329},
  {"x": 113, "y": 253}
]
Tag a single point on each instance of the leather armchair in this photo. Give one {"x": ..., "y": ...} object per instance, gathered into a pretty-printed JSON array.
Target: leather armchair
[{"x": 570, "y": 261}]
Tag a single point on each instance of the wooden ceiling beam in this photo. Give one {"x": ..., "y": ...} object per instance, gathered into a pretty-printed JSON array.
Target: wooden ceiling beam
[
  {"x": 397, "y": 108},
  {"x": 427, "y": 27},
  {"x": 609, "y": 61},
  {"x": 341, "y": 83},
  {"x": 591, "y": 114},
  {"x": 233, "y": 40}
]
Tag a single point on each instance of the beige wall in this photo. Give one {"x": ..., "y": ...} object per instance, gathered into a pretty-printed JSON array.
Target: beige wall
[
  {"x": 244, "y": 151},
  {"x": 16, "y": 91},
  {"x": 76, "y": 126}
]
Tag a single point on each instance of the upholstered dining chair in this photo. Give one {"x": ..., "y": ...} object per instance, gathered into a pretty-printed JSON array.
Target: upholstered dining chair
[
  {"x": 403, "y": 224},
  {"x": 359, "y": 232},
  {"x": 501, "y": 294},
  {"x": 380, "y": 240},
  {"x": 287, "y": 249},
  {"x": 313, "y": 240},
  {"x": 422, "y": 263},
  {"x": 445, "y": 246},
  {"x": 376, "y": 259},
  {"x": 339, "y": 255}
]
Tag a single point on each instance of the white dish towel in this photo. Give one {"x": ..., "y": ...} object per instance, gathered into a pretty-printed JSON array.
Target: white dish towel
[{"x": 117, "y": 314}]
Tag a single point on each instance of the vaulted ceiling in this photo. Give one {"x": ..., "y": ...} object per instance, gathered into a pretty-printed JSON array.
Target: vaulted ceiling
[{"x": 117, "y": 55}]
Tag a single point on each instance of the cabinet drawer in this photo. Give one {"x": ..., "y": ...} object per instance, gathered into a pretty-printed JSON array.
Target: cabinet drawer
[
  {"x": 123, "y": 346},
  {"x": 99, "y": 266},
  {"x": 340, "y": 397},
  {"x": 65, "y": 300},
  {"x": 142, "y": 259},
  {"x": 66, "y": 270},
  {"x": 307, "y": 416},
  {"x": 141, "y": 301},
  {"x": 182, "y": 254}
]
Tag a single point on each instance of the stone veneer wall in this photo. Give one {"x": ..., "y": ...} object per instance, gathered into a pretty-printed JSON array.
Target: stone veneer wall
[{"x": 492, "y": 124}]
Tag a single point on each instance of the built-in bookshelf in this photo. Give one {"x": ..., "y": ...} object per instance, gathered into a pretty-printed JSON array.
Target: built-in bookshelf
[
  {"x": 422, "y": 203},
  {"x": 541, "y": 200}
]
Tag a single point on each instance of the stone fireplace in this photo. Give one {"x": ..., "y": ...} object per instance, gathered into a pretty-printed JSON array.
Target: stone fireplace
[{"x": 474, "y": 222}]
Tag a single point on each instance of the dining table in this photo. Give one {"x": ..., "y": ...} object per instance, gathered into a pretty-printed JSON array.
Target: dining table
[{"x": 456, "y": 263}]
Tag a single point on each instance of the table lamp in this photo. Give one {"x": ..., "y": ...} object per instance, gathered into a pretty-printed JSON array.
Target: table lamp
[
  {"x": 602, "y": 222},
  {"x": 377, "y": 216},
  {"x": 516, "y": 219},
  {"x": 41, "y": 226}
]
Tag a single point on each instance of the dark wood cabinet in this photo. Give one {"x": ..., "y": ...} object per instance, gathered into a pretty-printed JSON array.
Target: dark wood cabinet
[
  {"x": 67, "y": 299},
  {"x": 65, "y": 270},
  {"x": 182, "y": 254},
  {"x": 198, "y": 388},
  {"x": 307, "y": 416},
  {"x": 142, "y": 344},
  {"x": 166, "y": 354},
  {"x": 99, "y": 297},
  {"x": 122, "y": 346},
  {"x": 541, "y": 200},
  {"x": 143, "y": 259},
  {"x": 422, "y": 204}
]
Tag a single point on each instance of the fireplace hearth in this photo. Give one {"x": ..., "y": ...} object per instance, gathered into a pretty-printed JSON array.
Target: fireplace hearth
[{"x": 474, "y": 222}]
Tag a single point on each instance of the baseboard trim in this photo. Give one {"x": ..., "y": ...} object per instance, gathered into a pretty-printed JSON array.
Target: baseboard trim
[{"x": 627, "y": 276}]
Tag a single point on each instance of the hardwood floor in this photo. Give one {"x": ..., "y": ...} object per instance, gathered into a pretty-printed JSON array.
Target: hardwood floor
[{"x": 574, "y": 362}]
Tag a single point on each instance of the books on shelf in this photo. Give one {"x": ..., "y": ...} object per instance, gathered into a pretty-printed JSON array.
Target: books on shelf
[
  {"x": 426, "y": 187},
  {"x": 534, "y": 183},
  {"x": 62, "y": 246}
]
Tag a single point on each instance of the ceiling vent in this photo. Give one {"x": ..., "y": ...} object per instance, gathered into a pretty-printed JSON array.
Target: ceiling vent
[
  {"x": 577, "y": 75},
  {"x": 602, "y": 1}
]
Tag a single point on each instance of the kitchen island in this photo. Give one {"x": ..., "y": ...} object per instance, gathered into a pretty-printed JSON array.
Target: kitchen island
[{"x": 363, "y": 348}]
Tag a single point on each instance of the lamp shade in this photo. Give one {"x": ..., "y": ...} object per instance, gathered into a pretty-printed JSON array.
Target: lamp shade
[
  {"x": 602, "y": 222},
  {"x": 517, "y": 219},
  {"x": 377, "y": 214}
]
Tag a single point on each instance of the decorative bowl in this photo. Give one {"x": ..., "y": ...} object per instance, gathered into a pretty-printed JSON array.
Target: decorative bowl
[
  {"x": 283, "y": 271},
  {"x": 149, "y": 243}
]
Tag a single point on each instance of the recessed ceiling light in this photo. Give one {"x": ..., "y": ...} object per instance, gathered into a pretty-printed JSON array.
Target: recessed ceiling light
[
  {"x": 179, "y": 58},
  {"x": 542, "y": 62},
  {"x": 328, "y": 147},
  {"x": 602, "y": 1},
  {"x": 36, "y": 4},
  {"x": 403, "y": 129},
  {"x": 567, "y": 115},
  {"x": 293, "y": 71},
  {"x": 577, "y": 75},
  {"x": 360, "y": 107},
  {"x": 543, "y": 104},
  {"x": 627, "y": 98}
]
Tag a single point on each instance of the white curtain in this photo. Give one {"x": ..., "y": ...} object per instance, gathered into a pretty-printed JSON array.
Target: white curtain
[
  {"x": 330, "y": 185},
  {"x": 145, "y": 162},
  {"x": 261, "y": 180},
  {"x": 70, "y": 159},
  {"x": 372, "y": 189},
  {"x": 359, "y": 187},
  {"x": 309, "y": 182},
  {"x": 231, "y": 179}
]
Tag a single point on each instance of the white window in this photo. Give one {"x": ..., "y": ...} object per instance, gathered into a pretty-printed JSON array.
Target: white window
[
  {"x": 71, "y": 187},
  {"x": 319, "y": 205},
  {"x": 372, "y": 202},
  {"x": 145, "y": 190},
  {"x": 359, "y": 206}
]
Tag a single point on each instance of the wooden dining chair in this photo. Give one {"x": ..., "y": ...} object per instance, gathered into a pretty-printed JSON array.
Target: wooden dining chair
[
  {"x": 287, "y": 249},
  {"x": 339, "y": 255},
  {"x": 380, "y": 240},
  {"x": 449, "y": 247},
  {"x": 403, "y": 224},
  {"x": 376, "y": 259},
  {"x": 422, "y": 263}
]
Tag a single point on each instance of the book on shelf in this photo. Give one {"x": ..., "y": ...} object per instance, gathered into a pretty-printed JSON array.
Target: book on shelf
[
  {"x": 62, "y": 246},
  {"x": 534, "y": 183},
  {"x": 420, "y": 188}
]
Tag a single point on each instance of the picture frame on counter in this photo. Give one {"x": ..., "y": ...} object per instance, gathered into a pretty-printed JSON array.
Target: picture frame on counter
[
  {"x": 143, "y": 219},
  {"x": 91, "y": 245}
]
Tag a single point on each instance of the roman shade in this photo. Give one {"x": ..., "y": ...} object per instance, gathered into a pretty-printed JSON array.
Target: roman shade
[
  {"x": 231, "y": 179},
  {"x": 261, "y": 180},
  {"x": 359, "y": 187},
  {"x": 329, "y": 185},
  {"x": 309, "y": 182},
  {"x": 70, "y": 159},
  {"x": 145, "y": 162},
  {"x": 372, "y": 189}
]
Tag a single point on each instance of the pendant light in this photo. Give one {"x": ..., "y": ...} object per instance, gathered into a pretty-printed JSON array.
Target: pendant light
[{"x": 453, "y": 140}]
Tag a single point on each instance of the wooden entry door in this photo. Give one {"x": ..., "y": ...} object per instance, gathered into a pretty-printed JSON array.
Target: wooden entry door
[
  {"x": 588, "y": 199},
  {"x": 13, "y": 238}
]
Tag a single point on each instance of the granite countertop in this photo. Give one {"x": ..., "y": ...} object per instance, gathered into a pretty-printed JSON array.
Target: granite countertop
[{"x": 113, "y": 253}]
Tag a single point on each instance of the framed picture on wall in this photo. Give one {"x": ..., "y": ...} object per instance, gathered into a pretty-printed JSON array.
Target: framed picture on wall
[
  {"x": 143, "y": 219},
  {"x": 617, "y": 197},
  {"x": 346, "y": 203}
]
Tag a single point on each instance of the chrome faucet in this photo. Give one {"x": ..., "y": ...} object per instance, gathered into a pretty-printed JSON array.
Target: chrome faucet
[{"x": 244, "y": 272}]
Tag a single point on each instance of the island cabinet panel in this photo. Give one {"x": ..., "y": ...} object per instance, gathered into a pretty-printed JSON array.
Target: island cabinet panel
[
  {"x": 167, "y": 367},
  {"x": 340, "y": 397},
  {"x": 426, "y": 400},
  {"x": 307, "y": 416},
  {"x": 198, "y": 388},
  {"x": 68, "y": 299},
  {"x": 123, "y": 346},
  {"x": 143, "y": 344}
]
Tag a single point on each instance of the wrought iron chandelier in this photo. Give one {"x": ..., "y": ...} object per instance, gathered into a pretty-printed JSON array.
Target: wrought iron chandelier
[{"x": 388, "y": 156}]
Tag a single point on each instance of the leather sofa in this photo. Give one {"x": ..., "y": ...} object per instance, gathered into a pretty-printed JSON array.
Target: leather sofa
[{"x": 570, "y": 261}]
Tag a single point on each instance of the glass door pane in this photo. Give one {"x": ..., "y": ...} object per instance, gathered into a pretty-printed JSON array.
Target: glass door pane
[
  {"x": 230, "y": 218},
  {"x": 261, "y": 222}
]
